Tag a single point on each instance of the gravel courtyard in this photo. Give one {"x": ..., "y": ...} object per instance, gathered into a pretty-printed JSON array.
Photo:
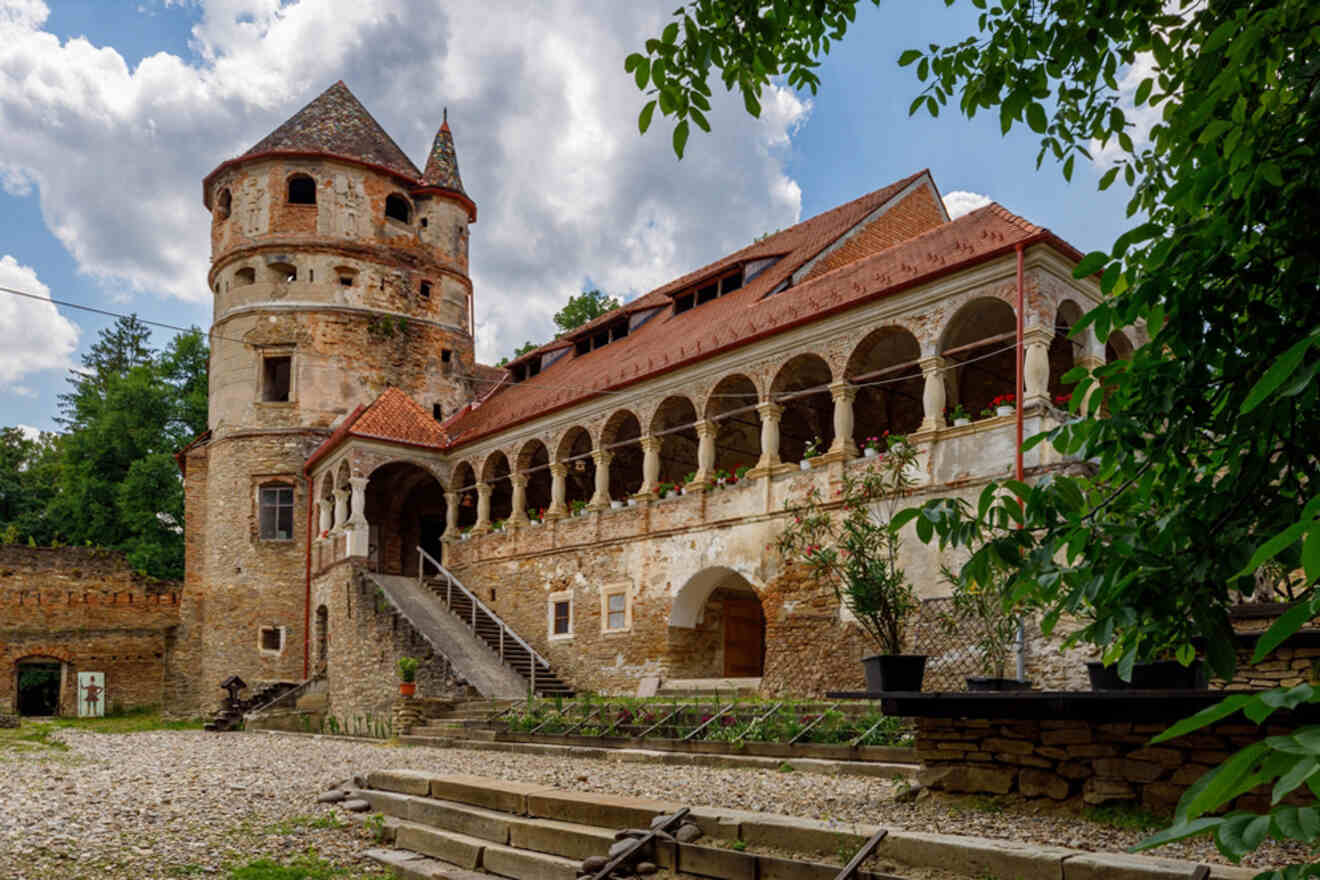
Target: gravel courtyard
[{"x": 171, "y": 804}]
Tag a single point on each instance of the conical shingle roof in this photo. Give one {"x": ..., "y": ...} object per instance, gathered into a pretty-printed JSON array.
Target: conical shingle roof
[
  {"x": 442, "y": 163},
  {"x": 337, "y": 124}
]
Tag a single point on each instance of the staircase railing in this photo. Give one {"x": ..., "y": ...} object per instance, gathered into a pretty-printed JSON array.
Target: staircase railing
[{"x": 452, "y": 583}]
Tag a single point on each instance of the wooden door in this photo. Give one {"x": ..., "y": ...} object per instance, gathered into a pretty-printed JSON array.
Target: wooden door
[{"x": 744, "y": 638}]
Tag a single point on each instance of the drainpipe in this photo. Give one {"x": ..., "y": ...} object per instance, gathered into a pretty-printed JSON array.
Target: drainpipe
[
  {"x": 307, "y": 597},
  {"x": 1017, "y": 464}
]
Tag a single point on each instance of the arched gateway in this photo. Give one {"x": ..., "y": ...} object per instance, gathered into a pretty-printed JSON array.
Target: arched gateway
[{"x": 716, "y": 627}]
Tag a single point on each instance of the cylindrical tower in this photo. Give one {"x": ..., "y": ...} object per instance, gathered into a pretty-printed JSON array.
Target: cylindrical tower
[{"x": 338, "y": 269}]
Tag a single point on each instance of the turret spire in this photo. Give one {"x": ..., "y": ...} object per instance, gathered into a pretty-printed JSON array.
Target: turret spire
[{"x": 442, "y": 163}]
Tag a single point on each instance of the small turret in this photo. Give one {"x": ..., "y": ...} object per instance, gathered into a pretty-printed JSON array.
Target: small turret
[{"x": 441, "y": 177}]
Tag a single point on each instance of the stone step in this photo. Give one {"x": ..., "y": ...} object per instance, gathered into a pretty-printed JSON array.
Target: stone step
[{"x": 469, "y": 853}]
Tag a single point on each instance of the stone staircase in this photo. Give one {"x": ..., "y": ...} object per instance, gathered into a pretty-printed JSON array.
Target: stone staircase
[
  {"x": 467, "y": 721},
  {"x": 688, "y": 688},
  {"x": 230, "y": 715}
]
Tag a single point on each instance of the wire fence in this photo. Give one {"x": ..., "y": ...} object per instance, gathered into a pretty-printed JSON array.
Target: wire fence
[{"x": 949, "y": 640}]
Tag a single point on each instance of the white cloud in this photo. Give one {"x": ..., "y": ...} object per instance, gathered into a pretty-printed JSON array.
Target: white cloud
[
  {"x": 1142, "y": 118},
  {"x": 961, "y": 202},
  {"x": 33, "y": 334},
  {"x": 29, "y": 432},
  {"x": 542, "y": 111}
]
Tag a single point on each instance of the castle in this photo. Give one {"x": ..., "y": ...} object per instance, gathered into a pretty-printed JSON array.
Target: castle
[{"x": 600, "y": 511}]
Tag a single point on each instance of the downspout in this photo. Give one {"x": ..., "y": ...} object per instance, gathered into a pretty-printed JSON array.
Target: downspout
[
  {"x": 1017, "y": 464},
  {"x": 307, "y": 598}
]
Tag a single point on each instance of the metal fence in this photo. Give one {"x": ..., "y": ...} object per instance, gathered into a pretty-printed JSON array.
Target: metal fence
[{"x": 949, "y": 640}]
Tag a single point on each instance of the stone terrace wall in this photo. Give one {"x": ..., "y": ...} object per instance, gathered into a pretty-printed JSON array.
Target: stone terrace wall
[
  {"x": 1077, "y": 759},
  {"x": 87, "y": 609}
]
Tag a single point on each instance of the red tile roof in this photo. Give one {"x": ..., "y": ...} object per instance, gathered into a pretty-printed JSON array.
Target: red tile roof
[
  {"x": 669, "y": 340},
  {"x": 393, "y": 417}
]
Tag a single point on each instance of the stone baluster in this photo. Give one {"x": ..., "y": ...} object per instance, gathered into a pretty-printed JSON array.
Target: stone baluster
[
  {"x": 519, "y": 515},
  {"x": 359, "y": 533},
  {"x": 558, "y": 491},
  {"x": 483, "y": 509},
  {"x": 326, "y": 508},
  {"x": 843, "y": 393},
  {"x": 650, "y": 464},
  {"x": 341, "y": 509},
  {"x": 706, "y": 431},
  {"x": 770, "y": 414},
  {"x": 932, "y": 395},
  {"x": 601, "y": 498},
  {"x": 1036, "y": 367},
  {"x": 451, "y": 515}
]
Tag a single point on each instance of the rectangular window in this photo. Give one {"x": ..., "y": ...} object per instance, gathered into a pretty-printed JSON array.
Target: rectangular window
[
  {"x": 272, "y": 639},
  {"x": 276, "y": 378},
  {"x": 425, "y": 290},
  {"x": 616, "y": 611},
  {"x": 562, "y": 618},
  {"x": 276, "y": 508}
]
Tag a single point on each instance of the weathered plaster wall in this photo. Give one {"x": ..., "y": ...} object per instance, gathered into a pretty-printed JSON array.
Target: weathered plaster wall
[{"x": 90, "y": 611}]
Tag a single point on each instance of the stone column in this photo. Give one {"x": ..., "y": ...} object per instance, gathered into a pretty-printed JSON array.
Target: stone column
[
  {"x": 327, "y": 510},
  {"x": 519, "y": 515},
  {"x": 359, "y": 534},
  {"x": 650, "y": 465},
  {"x": 483, "y": 509},
  {"x": 843, "y": 447},
  {"x": 451, "y": 515},
  {"x": 770, "y": 414},
  {"x": 341, "y": 509},
  {"x": 932, "y": 396},
  {"x": 558, "y": 491},
  {"x": 706, "y": 431},
  {"x": 1091, "y": 405},
  {"x": 1036, "y": 367},
  {"x": 601, "y": 498}
]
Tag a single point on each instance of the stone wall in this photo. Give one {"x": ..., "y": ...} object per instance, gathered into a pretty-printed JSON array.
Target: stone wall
[
  {"x": 1097, "y": 763},
  {"x": 88, "y": 610},
  {"x": 365, "y": 639}
]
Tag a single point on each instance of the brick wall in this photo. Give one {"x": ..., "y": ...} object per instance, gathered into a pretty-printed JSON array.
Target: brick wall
[
  {"x": 88, "y": 610},
  {"x": 915, "y": 213}
]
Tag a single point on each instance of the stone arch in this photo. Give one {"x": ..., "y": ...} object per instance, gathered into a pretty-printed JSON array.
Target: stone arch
[
  {"x": 495, "y": 472},
  {"x": 463, "y": 482},
  {"x": 622, "y": 437},
  {"x": 533, "y": 462},
  {"x": 405, "y": 509},
  {"x": 801, "y": 387},
  {"x": 716, "y": 627},
  {"x": 1064, "y": 350},
  {"x": 300, "y": 189},
  {"x": 1117, "y": 347},
  {"x": 673, "y": 424},
  {"x": 574, "y": 452},
  {"x": 397, "y": 207},
  {"x": 980, "y": 368},
  {"x": 884, "y": 367},
  {"x": 731, "y": 405}
]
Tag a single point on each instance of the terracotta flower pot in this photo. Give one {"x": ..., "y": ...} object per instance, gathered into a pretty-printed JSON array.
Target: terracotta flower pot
[{"x": 407, "y": 688}]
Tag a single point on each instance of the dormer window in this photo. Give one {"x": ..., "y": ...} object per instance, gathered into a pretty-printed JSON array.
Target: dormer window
[
  {"x": 398, "y": 208},
  {"x": 602, "y": 336},
  {"x": 708, "y": 291},
  {"x": 302, "y": 190},
  {"x": 524, "y": 371}
]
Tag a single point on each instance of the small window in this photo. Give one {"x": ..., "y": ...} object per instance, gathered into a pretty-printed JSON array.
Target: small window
[
  {"x": 519, "y": 373},
  {"x": 708, "y": 293},
  {"x": 245, "y": 276},
  {"x": 397, "y": 208},
  {"x": 423, "y": 222},
  {"x": 684, "y": 303},
  {"x": 425, "y": 290},
  {"x": 562, "y": 617},
  {"x": 616, "y": 611},
  {"x": 582, "y": 346},
  {"x": 276, "y": 376},
  {"x": 302, "y": 190},
  {"x": 445, "y": 355},
  {"x": 345, "y": 280},
  {"x": 272, "y": 639},
  {"x": 286, "y": 272},
  {"x": 276, "y": 503},
  {"x": 533, "y": 367},
  {"x": 223, "y": 205},
  {"x": 731, "y": 283},
  {"x": 437, "y": 412}
]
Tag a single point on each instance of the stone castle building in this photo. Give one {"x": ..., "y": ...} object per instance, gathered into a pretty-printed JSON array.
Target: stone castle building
[{"x": 355, "y": 443}]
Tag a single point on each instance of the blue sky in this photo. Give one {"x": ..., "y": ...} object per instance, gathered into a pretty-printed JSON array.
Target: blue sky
[{"x": 101, "y": 158}]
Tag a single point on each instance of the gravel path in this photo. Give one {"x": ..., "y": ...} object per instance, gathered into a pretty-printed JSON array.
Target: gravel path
[{"x": 186, "y": 803}]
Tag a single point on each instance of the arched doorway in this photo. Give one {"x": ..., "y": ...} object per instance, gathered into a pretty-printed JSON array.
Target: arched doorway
[
  {"x": 405, "y": 507},
  {"x": 716, "y": 627},
  {"x": 674, "y": 423},
  {"x": 323, "y": 636},
  {"x": 622, "y": 437},
  {"x": 732, "y": 407},
  {"x": 39, "y": 680},
  {"x": 980, "y": 352},
  {"x": 889, "y": 384},
  {"x": 575, "y": 452},
  {"x": 801, "y": 387},
  {"x": 534, "y": 463}
]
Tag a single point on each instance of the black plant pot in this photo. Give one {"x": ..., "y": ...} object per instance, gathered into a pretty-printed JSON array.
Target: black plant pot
[
  {"x": 997, "y": 684},
  {"x": 1165, "y": 675},
  {"x": 894, "y": 672}
]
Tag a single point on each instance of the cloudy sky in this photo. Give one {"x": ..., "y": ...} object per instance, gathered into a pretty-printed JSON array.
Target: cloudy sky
[{"x": 111, "y": 113}]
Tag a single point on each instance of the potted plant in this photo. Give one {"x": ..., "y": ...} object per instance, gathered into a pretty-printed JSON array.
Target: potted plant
[
  {"x": 665, "y": 489},
  {"x": 871, "y": 446},
  {"x": 810, "y": 451},
  {"x": 535, "y": 515},
  {"x": 996, "y": 628},
  {"x": 853, "y": 547},
  {"x": 407, "y": 669},
  {"x": 497, "y": 526},
  {"x": 577, "y": 507},
  {"x": 1003, "y": 405},
  {"x": 465, "y": 534},
  {"x": 740, "y": 472},
  {"x": 957, "y": 415}
]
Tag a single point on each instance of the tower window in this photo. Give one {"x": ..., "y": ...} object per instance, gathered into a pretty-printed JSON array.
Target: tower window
[
  {"x": 245, "y": 276},
  {"x": 302, "y": 190},
  {"x": 445, "y": 355},
  {"x": 425, "y": 290},
  {"x": 223, "y": 205},
  {"x": 276, "y": 376},
  {"x": 397, "y": 208},
  {"x": 437, "y": 412},
  {"x": 423, "y": 222},
  {"x": 345, "y": 280},
  {"x": 272, "y": 639},
  {"x": 276, "y": 513}
]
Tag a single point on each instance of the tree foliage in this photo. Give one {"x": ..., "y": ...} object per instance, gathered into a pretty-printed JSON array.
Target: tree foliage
[
  {"x": 1206, "y": 467},
  {"x": 110, "y": 479},
  {"x": 586, "y": 306},
  {"x": 518, "y": 352}
]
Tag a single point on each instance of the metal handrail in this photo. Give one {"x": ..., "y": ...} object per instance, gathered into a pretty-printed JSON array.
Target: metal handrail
[
  {"x": 291, "y": 692},
  {"x": 477, "y": 603}
]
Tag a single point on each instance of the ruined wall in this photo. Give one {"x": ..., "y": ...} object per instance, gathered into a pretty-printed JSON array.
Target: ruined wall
[
  {"x": 88, "y": 610},
  {"x": 364, "y": 640}
]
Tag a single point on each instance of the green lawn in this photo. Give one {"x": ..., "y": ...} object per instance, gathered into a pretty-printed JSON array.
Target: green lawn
[{"x": 36, "y": 734}]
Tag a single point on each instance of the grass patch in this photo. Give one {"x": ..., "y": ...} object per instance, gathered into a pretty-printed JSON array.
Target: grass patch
[
  {"x": 307, "y": 867},
  {"x": 31, "y": 735},
  {"x": 1127, "y": 817},
  {"x": 979, "y": 803}
]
